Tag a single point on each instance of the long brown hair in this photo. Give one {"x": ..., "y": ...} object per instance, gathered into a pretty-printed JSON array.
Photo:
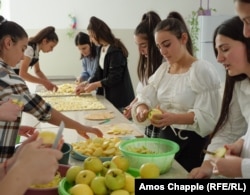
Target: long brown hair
[
  {"x": 148, "y": 65},
  {"x": 47, "y": 33},
  {"x": 232, "y": 28},
  {"x": 102, "y": 32},
  {"x": 244, "y": 1}
]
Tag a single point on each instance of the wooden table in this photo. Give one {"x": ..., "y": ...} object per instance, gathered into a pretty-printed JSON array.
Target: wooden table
[{"x": 71, "y": 136}]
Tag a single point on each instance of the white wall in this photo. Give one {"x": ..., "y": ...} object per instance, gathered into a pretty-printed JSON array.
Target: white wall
[{"x": 121, "y": 15}]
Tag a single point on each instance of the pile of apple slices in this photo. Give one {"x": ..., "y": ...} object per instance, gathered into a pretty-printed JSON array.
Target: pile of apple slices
[{"x": 99, "y": 147}]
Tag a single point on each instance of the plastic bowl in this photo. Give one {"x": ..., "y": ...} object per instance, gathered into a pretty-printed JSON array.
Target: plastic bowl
[
  {"x": 64, "y": 186},
  {"x": 48, "y": 191},
  {"x": 163, "y": 152},
  {"x": 66, "y": 150}
]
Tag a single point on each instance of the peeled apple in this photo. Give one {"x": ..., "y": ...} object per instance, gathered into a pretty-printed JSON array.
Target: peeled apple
[
  {"x": 47, "y": 136},
  {"x": 153, "y": 112},
  {"x": 220, "y": 152}
]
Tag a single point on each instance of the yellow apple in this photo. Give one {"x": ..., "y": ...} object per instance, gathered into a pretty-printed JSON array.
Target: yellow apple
[
  {"x": 48, "y": 137},
  {"x": 93, "y": 163},
  {"x": 149, "y": 170},
  {"x": 120, "y": 192},
  {"x": 72, "y": 173},
  {"x": 18, "y": 102},
  {"x": 115, "y": 179},
  {"x": 153, "y": 112},
  {"x": 98, "y": 186},
  {"x": 85, "y": 176},
  {"x": 220, "y": 152},
  {"x": 121, "y": 162},
  {"x": 129, "y": 183},
  {"x": 80, "y": 189},
  {"x": 106, "y": 166}
]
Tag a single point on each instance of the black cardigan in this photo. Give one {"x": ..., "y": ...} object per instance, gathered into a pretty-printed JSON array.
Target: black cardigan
[{"x": 115, "y": 78}]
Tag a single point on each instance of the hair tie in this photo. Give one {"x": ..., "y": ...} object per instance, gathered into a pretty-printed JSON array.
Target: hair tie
[{"x": 3, "y": 21}]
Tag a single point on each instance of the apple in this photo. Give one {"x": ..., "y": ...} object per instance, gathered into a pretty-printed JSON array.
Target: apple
[
  {"x": 220, "y": 152},
  {"x": 153, "y": 112},
  {"x": 129, "y": 183},
  {"x": 115, "y": 179},
  {"x": 80, "y": 189},
  {"x": 72, "y": 173},
  {"x": 149, "y": 170},
  {"x": 48, "y": 137},
  {"x": 98, "y": 186},
  {"x": 93, "y": 163},
  {"x": 121, "y": 162},
  {"x": 18, "y": 102},
  {"x": 85, "y": 176},
  {"x": 106, "y": 166},
  {"x": 120, "y": 192}
]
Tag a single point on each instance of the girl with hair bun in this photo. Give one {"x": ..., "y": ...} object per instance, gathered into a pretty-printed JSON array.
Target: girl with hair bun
[{"x": 185, "y": 88}]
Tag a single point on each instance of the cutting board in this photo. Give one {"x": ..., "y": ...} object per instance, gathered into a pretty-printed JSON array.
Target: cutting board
[
  {"x": 120, "y": 130},
  {"x": 101, "y": 115}
]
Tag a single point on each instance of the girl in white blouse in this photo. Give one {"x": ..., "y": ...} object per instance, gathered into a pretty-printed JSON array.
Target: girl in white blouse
[
  {"x": 187, "y": 90},
  {"x": 233, "y": 51}
]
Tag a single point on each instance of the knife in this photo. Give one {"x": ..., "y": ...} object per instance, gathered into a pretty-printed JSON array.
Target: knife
[
  {"x": 59, "y": 135},
  {"x": 105, "y": 121}
]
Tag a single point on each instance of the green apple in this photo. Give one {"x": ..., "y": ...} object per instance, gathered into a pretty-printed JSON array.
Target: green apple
[
  {"x": 106, "y": 166},
  {"x": 129, "y": 183},
  {"x": 80, "y": 189},
  {"x": 121, "y": 162},
  {"x": 115, "y": 179},
  {"x": 93, "y": 163},
  {"x": 72, "y": 173},
  {"x": 120, "y": 192},
  {"x": 220, "y": 152},
  {"x": 153, "y": 112},
  {"x": 48, "y": 137},
  {"x": 98, "y": 186},
  {"x": 85, "y": 176},
  {"x": 149, "y": 170}
]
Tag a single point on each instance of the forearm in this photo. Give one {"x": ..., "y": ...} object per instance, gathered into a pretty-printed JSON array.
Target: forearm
[
  {"x": 14, "y": 182},
  {"x": 28, "y": 77},
  {"x": 185, "y": 118},
  {"x": 40, "y": 74},
  {"x": 5, "y": 166},
  {"x": 57, "y": 117}
]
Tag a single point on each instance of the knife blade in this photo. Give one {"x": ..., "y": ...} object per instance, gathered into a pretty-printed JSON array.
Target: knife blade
[{"x": 59, "y": 135}]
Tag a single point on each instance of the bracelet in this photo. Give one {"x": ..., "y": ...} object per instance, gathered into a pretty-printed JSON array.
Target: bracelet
[{"x": 5, "y": 166}]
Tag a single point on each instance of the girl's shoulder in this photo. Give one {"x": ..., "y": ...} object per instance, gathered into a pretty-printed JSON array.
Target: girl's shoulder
[
  {"x": 203, "y": 68},
  {"x": 203, "y": 75}
]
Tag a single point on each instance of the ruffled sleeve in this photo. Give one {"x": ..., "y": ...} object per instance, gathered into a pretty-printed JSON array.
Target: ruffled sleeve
[{"x": 204, "y": 80}]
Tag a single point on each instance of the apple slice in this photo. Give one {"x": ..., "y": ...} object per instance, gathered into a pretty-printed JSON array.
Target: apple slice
[
  {"x": 220, "y": 152},
  {"x": 18, "y": 102}
]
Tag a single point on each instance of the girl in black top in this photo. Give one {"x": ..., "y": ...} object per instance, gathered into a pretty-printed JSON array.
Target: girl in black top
[{"x": 112, "y": 78}]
